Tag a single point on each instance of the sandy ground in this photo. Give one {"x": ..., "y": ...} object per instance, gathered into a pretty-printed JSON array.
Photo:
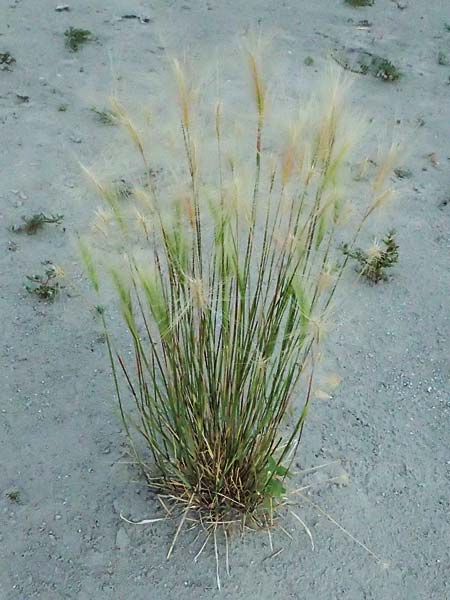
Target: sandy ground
[{"x": 61, "y": 445}]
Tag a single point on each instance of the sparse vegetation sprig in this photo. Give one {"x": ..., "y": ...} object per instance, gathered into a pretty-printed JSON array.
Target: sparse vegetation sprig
[
  {"x": 33, "y": 224},
  {"x": 45, "y": 286},
  {"x": 225, "y": 287},
  {"x": 76, "y": 37},
  {"x": 384, "y": 69},
  {"x": 358, "y": 60},
  {"x": 104, "y": 116},
  {"x": 379, "y": 257}
]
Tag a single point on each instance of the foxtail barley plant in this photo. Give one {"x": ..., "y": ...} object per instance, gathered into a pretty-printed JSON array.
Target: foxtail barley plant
[{"x": 225, "y": 289}]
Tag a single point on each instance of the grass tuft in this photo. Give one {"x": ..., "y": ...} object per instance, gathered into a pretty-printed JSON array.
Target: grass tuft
[{"x": 225, "y": 282}]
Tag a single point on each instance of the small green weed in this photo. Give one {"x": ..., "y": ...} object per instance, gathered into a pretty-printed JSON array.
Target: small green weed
[
  {"x": 13, "y": 495},
  {"x": 45, "y": 286},
  {"x": 309, "y": 61},
  {"x": 33, "y": 224},
  {"x": 62, "y": 108},
  {"x": 376, "y": 259},
  {"x": 77, "y": 37},
  {"x": 104, "y": 116},
  {"x": 385, "y": 69}
]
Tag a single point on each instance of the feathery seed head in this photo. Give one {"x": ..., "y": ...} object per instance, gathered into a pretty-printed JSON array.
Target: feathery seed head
[{"x": 258, "y": 86}]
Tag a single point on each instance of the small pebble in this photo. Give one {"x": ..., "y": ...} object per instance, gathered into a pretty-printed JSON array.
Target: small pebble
[{"x": 122, "y": 539}]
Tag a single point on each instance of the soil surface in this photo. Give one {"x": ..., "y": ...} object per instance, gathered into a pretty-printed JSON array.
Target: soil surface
[{"x": 64, "y": 476}]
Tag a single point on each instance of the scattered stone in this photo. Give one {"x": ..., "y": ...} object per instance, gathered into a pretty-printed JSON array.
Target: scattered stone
[
  {"x": 122, "y": 539},
  {"x": 75, "y": 139},
  {"x": 22, "y": 98},
  {"x": 402, "y": 5},
  {"x": 62, "y": 8},
  {"x": 364, "y": 24},
  {"x": 140, "y": 18}
]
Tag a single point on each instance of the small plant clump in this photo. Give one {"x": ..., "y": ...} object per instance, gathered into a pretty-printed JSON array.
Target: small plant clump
[
  {"x": 224, "y": 277},
  {"x": 6, "y": 61},
  {"x": 104, "y": 116},
  {"x": 309, "y": 61},
  {"x": 45, "y": 286},
  {"x": 358, "y": 60},
  {"x": 13, "y": 495},
  {"x": 359, "y": 3},
  {"x": 443, "y": 59},
  {"x": 385, "y": 69},
  {"x": 76, "y": 37},
  {"x": 33, "y": 224},
  {"x": 62, "y": 108},
  {"x": 374, "y": 262}
]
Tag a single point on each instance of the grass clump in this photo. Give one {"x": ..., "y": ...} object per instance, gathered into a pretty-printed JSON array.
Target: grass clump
[
  {"x": 36, "y": 222},
  {"x": 379, "y": 257},
  {"x": 225, "y": 288},
  {"x": 46, "y": 286},
  {"x": 75, "y": 38}
]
